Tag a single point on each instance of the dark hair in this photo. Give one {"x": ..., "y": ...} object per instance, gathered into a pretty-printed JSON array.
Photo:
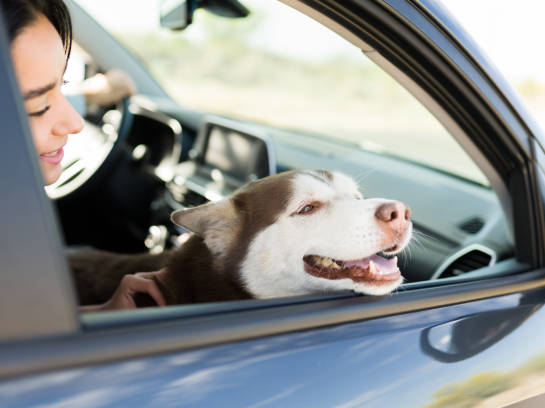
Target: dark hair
[{"x": 19, "y": 14}]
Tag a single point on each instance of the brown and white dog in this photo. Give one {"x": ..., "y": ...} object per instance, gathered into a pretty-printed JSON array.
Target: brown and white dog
[{"x": 293, "y": 233}]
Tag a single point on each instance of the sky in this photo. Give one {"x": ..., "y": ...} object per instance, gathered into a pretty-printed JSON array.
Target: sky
[{"x": 509, "y": 32}]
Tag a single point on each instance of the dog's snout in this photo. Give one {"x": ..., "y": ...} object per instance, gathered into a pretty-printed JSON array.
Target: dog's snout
[
  {"x": 393, "y": 212},
  {"x": 393, "y": 219}
]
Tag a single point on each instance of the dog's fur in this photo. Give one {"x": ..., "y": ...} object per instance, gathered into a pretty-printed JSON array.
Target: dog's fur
[{"x": 268, "y": 239}]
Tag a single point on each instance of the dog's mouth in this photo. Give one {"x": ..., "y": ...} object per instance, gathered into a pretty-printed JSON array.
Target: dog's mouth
[{"x": 375, "y": 269}]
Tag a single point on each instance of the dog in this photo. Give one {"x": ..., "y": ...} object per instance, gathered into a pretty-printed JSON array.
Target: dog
[{"x": 293, "y": 233}]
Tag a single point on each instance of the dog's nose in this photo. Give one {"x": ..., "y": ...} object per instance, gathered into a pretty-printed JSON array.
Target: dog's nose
[{"x": 394, "y": 212}]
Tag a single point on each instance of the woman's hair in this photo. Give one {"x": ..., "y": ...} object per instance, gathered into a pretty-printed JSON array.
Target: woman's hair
[{"x": 19, "y": 14}]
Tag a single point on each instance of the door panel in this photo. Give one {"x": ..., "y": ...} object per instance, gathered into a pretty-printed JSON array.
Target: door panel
[{"x": 475, "y": 352}]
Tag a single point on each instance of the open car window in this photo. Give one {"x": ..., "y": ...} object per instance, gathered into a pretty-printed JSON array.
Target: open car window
[{"x": 324, "y": 104}]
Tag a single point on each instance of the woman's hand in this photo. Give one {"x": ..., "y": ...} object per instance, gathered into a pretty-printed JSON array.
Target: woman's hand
[
  {"x": 130, "y": 285},
  {"x": 107, "y": 89}
]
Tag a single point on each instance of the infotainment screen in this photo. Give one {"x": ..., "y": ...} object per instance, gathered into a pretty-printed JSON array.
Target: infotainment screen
[{"x": 240, "y": 156}]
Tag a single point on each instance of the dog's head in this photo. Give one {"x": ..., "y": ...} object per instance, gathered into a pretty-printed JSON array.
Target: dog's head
[{"x": 304, "y": 232}]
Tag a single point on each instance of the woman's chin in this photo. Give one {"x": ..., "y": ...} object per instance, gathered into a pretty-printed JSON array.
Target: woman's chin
[{"x": 51, "y": 173}]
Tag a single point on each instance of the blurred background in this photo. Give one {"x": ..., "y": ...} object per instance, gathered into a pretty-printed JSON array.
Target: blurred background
[
  {"x": 280, "y": 68},
  {"x": 511, "y": 34}
]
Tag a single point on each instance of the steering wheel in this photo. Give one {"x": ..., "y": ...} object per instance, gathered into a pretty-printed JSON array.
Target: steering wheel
[{"x": 90, "y": 154}]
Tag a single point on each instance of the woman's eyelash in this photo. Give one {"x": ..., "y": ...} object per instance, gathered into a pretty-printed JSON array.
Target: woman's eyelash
[
  {"x": 44, "y": 110},
  {"x": 40, "y": 112}
]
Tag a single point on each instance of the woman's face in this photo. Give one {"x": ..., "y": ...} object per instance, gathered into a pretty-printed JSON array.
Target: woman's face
[{"x": 39, "y": 61}]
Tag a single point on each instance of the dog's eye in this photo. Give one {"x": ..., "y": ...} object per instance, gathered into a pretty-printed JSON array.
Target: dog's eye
[{"x": 308, "y": 209}]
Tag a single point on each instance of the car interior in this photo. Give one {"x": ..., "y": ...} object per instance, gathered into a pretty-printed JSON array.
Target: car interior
[{"x": 137, "y": 162}]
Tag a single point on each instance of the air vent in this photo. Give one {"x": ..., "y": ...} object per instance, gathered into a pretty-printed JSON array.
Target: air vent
[
  {"x": 466, "y": 260},
  {"x": 472, "y": 226}
]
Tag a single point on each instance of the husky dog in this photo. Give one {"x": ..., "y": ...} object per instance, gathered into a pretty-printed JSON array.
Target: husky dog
[{"x": 294, "y": 233}]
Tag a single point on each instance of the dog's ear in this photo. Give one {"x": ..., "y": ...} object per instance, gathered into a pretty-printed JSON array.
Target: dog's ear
[
  {"x": 208, "y": 219},
  {"x": 217, "y": 223}
]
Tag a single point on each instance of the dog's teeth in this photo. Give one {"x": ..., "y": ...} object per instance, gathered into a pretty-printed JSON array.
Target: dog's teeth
[
  {"x": 326, "y": 262},
  {"x": 372, "y": 267}
]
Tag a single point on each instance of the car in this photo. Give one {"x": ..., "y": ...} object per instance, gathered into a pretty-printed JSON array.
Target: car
[{"x": 395, "y": 94}]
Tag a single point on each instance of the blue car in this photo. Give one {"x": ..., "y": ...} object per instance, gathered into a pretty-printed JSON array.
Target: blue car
[{"x": 392, "y": 93}]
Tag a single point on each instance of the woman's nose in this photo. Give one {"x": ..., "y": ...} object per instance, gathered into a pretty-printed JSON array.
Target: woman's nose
[{"x": 69, "y": 121}]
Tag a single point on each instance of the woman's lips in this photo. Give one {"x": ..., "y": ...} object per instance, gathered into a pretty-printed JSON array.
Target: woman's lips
[{"x": 53, "y": 157}]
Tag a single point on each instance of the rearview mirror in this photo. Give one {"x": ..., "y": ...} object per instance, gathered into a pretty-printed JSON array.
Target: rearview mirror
[
  {"x": 178, "y": 14},
  {"x": 175, "y": 14}
]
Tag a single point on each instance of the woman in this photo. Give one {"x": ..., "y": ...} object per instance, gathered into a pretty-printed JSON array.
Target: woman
[{"x": 40, "y": 35}]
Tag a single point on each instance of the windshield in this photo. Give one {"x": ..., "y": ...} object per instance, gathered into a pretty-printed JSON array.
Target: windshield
[{"x": 280, "y": 68}]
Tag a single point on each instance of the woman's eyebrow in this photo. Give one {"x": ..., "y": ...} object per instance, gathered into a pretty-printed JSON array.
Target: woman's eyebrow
[{"x": 33, "y": 93}]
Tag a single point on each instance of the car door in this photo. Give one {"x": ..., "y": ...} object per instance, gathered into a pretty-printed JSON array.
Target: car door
[{"x": 461, "y": 341}]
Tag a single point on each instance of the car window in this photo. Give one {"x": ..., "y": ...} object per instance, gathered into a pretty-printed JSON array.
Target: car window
[{"x": 326, "y": 105}]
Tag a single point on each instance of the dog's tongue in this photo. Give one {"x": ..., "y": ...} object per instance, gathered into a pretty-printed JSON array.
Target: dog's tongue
[{"x": 384, "y": 265}]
